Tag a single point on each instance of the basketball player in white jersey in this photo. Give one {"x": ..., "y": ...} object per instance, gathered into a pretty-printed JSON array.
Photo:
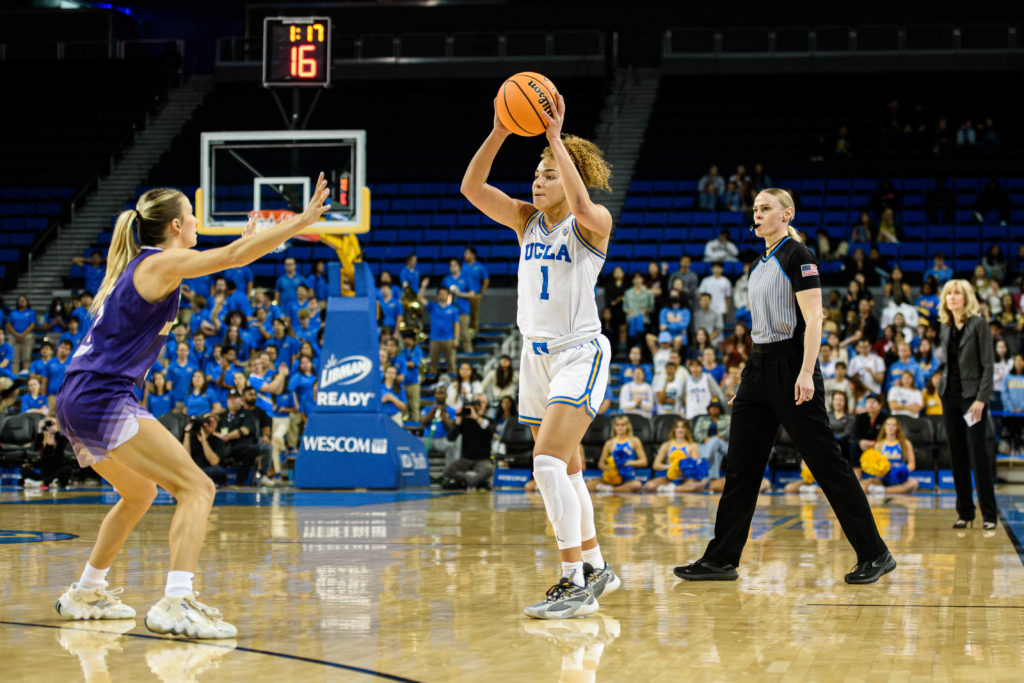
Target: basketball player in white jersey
[{"x": 563, "y": 372}]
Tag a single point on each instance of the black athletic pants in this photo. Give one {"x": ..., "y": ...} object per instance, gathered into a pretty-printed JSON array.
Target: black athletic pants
[
  {"x": 763, "y": 402},
  {"x": 967, "y": 445}
]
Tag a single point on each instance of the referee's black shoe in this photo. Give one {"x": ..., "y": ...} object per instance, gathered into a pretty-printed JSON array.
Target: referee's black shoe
[
  {"x": 707, "y": 570},
  {"x": 872, "y": 570}
]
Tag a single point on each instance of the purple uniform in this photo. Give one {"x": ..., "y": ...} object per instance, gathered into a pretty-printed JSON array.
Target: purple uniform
[{"x": 96, "y": 407}]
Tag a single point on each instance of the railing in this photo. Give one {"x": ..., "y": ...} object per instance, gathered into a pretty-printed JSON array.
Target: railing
[
  {"x": 425, "y": 47},
  {"x": 796, "y": 41},
  {"x": 146, "y": 48}
]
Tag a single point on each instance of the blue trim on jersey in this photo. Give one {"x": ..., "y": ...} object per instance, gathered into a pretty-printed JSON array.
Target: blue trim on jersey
[
  {"x": 584, "y": 400},
  {"x": 525, "y": 420},
  {"x": 764, "y": 259},
  {"x": 780, "y": 267},
  {"x": 540, "y": 224},
  {"x": 583, "y": 240}
]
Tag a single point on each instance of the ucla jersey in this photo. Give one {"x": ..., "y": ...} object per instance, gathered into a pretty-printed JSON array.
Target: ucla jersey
[
  {"x": 558, "y": 269},
  {"x": 894, "y": 452}
]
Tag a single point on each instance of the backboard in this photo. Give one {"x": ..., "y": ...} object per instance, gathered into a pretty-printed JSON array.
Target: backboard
[{"x": 243, "y": 171}]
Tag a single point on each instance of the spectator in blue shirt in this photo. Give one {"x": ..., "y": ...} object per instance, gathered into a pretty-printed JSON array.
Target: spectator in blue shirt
[
  {"x": 286, "y": 345},
  {"x": 300, "y": 303},
  {"x": 444, "y": 329},
  {"x": 437, "y": 419},
  {"x": 201, "y": 351},
  {"x": 461, "y": 289},
  {"x": 479, "y": 281},
  {"x": 56, "y": 318},
  {"x": 6, "y": 358},
  {"x": 302, "y": 385},
  {"x": 392, "y": 396},
  {"x": 75, "y": 333},
  {"x": 200, "y": 399},
  {"x": 21, "y": 323},
  {"x": 317, "y": 280},
  {"x": 635, "y": 356},
  {"x": 410, "y": 276},
  {"x": 196, "y": 286},
  {"x": 38, "y": 367},
  {"x": 178, "y": 337},
  {"x": 390, "y": 310},
  {"x": 242, "y": 277},
  {"x": 907, "y": 363},
  {"x": 179, "y": 372},
  {"x": 262, "y": 300},
  {"x": 55, "y": 370},
  {"x": 33, "y": 401},
  {"x": 939, "y": 270},
  {"x": 260, "y": 329},
  {"x": 675, "y": 320},
  {"x": 82, "y": 313},
  {"x": 408, "y": 363},
  {"x": 928, "y": 303},
  {"x": 93, "y": 270},
  {"x": 202, "y": 318},
  {"x": 157, "y": 399},
  {"x": 287, "y": 284},
  {"x": 305, "y": 331},
  {"x": 236, "y": 300}
]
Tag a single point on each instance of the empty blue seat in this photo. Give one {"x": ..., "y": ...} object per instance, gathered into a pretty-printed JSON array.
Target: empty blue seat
[
  {"x": 888, "y": 250},
  {"x": 660, "y": 203},
  {"x": 631, "y": 218},
  {"x": 914, "y": 218},
  {"x": 812, "y": 186},
  {"x": 810, "y": 219},
  {"x": 641, "y": 187},
  {"x": 433, "y": 189},
  {"x": 410, "y": 189},
  {"x": 385, "y": 189},
  {"x": 912, "y": 250},
  {"x": 810, "y": 201},
  {"x": 676, "y": 233},
  {"x": 702, "y": 219},
  {"x": 680, "y": 218},
  {"x": 835, "y": 219},
  {"x": 635, "y": 203},
  {"x": 623, "y": 234},
  {"x": 701, "y": 235},
  {"x": 917, "y": 184},
  {"x": 914, "y": 232},
  {"x": 651, "y": 233},
  {"x": 686, "y": 186},
  {"x": 436, "y": 234},
  {"x": 965, "y": 218},
  {"x": 972, "y": 185},
  {"x": 655, "y": 217},
  {"x": 393, "y": 220},
  {"x": 839, "y": 185},
  {"x": 419, "y": 220},
  {"x": 403, "y": 204},
  {"x": 470, "y": 220},
  {"x": 505, "y": 252},
  {"x": 684, "y": 201},
  {"x": 427, "y": 204},
  {"x": 940, "y": 232},
  {"x": 664, "y": 187},
  {"x": 860, "y": 201},
  {"x": 916, "y": 266},
  {"x": 994, "y": 233},
  {"x": 965, "y": 200},
  {"x": 646, "y": 252},
  {"x": 867, "y": 185},
  {"x": 837, "y": 202},
  {"x": 620, "y": 250}
]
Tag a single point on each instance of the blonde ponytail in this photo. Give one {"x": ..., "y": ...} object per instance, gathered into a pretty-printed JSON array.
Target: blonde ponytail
[
  {"x": 794, "y": 234},
  {"x": 147, "y": 222}
]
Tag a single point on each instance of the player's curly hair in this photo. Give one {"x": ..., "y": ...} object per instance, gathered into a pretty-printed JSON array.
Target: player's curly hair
[{"x": 588, "y": 160}]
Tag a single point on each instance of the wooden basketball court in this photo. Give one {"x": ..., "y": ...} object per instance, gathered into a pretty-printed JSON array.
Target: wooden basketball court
[{"x": 328, "y": 586}]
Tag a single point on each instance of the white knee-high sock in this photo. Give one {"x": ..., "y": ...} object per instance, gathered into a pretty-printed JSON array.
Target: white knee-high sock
[{"x": 560, "y": 500}]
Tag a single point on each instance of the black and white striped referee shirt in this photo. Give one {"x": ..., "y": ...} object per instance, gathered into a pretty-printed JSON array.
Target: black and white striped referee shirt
[{"x": 774, "y": 280}]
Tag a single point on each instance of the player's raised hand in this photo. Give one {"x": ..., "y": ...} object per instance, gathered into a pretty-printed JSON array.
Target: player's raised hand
[
  {"x": 554, "y": 129},
  {"x": 498, "y": 126},
  {"x": 317, "y": 206},
  {"x": 250, "y": 226}
]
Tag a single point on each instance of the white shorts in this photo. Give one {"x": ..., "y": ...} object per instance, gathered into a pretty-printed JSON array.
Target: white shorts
[{"x": 577, "y": 376}]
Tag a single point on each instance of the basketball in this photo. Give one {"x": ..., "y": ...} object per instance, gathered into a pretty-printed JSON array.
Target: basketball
[{"x": 521, "y": 99}]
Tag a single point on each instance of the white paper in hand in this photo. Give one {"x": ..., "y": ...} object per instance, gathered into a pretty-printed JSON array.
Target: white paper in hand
[{"x": 970, "y": 419}]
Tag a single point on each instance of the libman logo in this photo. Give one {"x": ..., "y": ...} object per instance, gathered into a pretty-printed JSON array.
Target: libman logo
[
  {"x": 347, "y": 370},
  {"x": 345, "y": 444}
]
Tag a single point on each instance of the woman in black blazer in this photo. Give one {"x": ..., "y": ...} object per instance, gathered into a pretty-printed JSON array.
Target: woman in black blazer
[{"x": 965, "y": 389}]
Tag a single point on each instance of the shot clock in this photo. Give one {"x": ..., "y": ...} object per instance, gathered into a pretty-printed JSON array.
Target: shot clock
[{"x": 296, "y": 51}]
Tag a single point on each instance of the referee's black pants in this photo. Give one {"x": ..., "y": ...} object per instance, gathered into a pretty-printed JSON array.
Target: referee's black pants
[{"x": 763, "y": 401}]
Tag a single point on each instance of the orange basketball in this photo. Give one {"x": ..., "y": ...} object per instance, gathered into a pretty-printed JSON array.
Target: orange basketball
[{"x": 521, "y": 100}]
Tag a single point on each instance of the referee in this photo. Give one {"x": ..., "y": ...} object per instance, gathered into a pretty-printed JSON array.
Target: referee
[{"x": 785, "y": 306}]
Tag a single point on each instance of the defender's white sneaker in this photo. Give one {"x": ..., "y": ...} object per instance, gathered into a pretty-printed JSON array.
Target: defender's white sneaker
[
  {"x": 93, "y": 603},
  {"x": 186, "y": 616}
]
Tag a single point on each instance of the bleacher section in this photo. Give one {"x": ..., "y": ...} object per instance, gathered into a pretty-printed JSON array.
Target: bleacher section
[
  {"x": 660, "y": 222},
  {"x": 59, "y": 134}
]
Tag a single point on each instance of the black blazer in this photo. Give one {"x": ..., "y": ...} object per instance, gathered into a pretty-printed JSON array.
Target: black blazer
[{"x": 976, "y": 357}]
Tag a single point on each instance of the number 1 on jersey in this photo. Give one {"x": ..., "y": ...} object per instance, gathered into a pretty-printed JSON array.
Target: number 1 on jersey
[{"x": 544, "y": 284}]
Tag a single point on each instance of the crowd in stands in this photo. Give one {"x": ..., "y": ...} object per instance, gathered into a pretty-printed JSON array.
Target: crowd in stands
[{"x": 680, "y": 340}]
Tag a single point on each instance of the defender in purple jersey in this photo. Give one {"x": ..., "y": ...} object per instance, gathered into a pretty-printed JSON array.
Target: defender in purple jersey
[{"x": 134, "y": 309}]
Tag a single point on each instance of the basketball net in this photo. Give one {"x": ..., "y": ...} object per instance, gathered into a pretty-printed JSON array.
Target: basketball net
[{"x": 266, "y": 218}]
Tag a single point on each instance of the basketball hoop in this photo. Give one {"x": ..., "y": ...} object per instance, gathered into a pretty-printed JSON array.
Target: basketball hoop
[{"x": 268, "y": 217}]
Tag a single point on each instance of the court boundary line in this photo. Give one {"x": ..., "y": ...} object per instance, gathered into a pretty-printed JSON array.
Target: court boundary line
[
  {"x": 214, "y": 643},
  {"x": 879, "y": 604},
  {"x": 1012, "y": 535}
]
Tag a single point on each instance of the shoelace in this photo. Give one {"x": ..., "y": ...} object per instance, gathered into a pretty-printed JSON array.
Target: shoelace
[
  {"x": 558, "y": 590},
  {"x": 112, "y": 593},
  {"x": 205, "y": 609}
]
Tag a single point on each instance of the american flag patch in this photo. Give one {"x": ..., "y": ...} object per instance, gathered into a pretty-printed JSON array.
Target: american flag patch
[{"x": 809, "y": 269}]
